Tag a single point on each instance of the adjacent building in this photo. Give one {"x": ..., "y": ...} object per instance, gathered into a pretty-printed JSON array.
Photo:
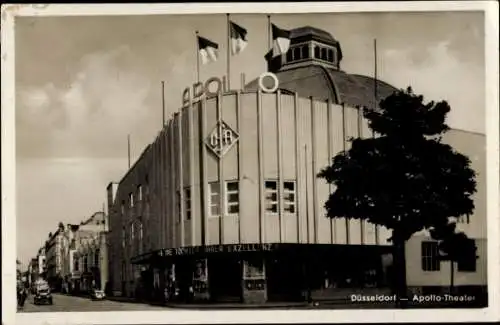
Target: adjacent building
[
  {"x": 89, "y": 254},
  {"x": 42, "y": 263},
  {"x": 225, "y": 204},
  {"x": 67, "y": 258},
  {"x": 54, "y": 250}
]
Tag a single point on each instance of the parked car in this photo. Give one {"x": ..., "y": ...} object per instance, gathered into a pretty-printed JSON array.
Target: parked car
[
  {"x": 96, "y": 294},
  {"x": 42, "y": 296}
]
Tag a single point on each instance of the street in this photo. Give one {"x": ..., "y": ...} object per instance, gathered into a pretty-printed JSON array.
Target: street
[{"x": 64, "y": 303}]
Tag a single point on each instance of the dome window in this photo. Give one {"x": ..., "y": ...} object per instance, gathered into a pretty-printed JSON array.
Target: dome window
[
  {"x": 296, "y": 53},
  {"x": 305, "y": 52},
  {"x": 330, "y": 55},
  {"x": 316, "y": 52},
  {"x": 324, "y": 54}
]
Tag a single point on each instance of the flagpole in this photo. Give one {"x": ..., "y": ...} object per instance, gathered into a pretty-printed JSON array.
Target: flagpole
[
  {"x": 163, "y": 102},
  {"x": 197, "y": 58},
  {"x": 128, "y": 150},
  {"x": 375, "y": 72},
  {"x": 269, "y": 42},
  {"x": 228, "y": 52}
]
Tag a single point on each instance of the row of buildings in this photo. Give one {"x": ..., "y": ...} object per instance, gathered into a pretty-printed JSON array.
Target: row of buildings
[
  {"x": 225, "y": 204},
  {"x": 73, "y": 259}
]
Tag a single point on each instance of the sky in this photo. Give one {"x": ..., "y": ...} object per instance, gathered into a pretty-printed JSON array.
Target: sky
[{"x": 84, "y": 83}]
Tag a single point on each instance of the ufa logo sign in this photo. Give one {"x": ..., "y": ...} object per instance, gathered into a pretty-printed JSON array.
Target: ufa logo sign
[{"x": 221, "y": 139}]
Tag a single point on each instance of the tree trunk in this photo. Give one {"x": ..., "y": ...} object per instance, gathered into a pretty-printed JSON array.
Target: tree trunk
[{"x": 399, "y": 262}]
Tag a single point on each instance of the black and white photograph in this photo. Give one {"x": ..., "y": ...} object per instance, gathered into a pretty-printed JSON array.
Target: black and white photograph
[{"x": 276, "y": 161}]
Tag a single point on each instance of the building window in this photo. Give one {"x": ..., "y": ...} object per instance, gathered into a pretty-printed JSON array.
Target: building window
[
  {"x": 324, "y": 54},
  {"x": 141, "y": 231},
  {"x": 123, "y": 207},
  {"x": 124, "y": 237},
  {"x": 132, "y": 231},
  {"x": 430, "y": 256},
  {"x": 232, "y": 198},
  {"x": 297, "y": 53},
  {"x": 317, "y": 52},
  {"x": 289, "y": 56},
  {"x": 179, "y": 207},
  {"x": 131, "y": 199},
  {"x": 330, "y": 55},
  {"x": 75, "y": 263},
  {"x": 139, "y": 193},
  {"x": 467, "y": 265},
  {"x": 214, "y": 199},
  {"x": 85, "y": 265},
  {"x": 305, "y": 52},
  {"x": 289, "y": 196},
  {"x": 271, "y": 196},
  {"x": 187, "y": 202},
  {"x": 96, "y": 258}
]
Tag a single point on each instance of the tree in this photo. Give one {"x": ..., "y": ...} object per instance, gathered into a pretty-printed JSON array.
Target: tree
[
  {"x": 454, "y": 247},
  {"x": 405, "y": 178}
]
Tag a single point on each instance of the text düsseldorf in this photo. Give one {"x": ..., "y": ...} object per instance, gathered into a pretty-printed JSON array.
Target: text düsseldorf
[{"x": 373, "y": 298}]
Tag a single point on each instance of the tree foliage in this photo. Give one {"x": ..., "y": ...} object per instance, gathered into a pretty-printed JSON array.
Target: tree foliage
[{"x": 405, "y": 178}]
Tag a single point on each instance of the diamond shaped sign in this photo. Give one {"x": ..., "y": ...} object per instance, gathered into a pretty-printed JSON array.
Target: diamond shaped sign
[{"x": 221, "y": 139}]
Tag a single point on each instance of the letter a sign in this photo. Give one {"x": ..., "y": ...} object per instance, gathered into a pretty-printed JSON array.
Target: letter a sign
[{"x": 221, "y": 139}]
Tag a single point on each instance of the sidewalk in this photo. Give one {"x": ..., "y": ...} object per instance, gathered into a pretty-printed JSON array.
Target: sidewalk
[{"x": 330, "y": 304}]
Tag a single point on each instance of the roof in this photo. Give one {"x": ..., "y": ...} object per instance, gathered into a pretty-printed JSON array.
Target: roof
[
  {"x": 324, "y": 83},
  {"x": 315, "y": 33}
]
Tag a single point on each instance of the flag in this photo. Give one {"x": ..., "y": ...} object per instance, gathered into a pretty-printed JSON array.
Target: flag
[
  {"x": 208, "y": 50},
  {"x": 281, "y": 40},
  {"x": 238, "y": 36}
]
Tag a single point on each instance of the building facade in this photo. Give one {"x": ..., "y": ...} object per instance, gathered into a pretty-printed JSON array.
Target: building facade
[
  {"x": 42, "y": 263},
  {"x": 54, "y": 250},
  {"x": 69, "y": 249},
  {"x": 226, "y": 204},
  {"x": 89, "y": 254},
  {"x": 425, "y": 272}
]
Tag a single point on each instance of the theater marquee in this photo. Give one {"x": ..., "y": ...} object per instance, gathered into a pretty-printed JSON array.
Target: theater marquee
[{"x": 195, "y": 250}]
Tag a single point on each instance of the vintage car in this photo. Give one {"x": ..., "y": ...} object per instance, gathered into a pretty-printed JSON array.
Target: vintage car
[
  {"x": 96, "y": 294},
  {"x": 42, "y": 295}
]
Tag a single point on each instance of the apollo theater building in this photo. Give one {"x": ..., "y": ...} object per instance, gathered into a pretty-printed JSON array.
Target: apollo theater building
[{"x": 225, "y": 204}]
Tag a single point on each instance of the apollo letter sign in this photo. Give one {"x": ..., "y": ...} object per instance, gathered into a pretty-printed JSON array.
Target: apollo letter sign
[{"x": 215, "y": 86}]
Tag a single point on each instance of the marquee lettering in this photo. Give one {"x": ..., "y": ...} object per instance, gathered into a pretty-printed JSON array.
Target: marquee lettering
[
  {"x": 215, "y": 86},
  {"x": 232, "y": 248}
]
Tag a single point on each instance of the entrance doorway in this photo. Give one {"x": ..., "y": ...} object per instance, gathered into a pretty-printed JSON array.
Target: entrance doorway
[
  {"x": 225, "y": 278},
  {"x": 284, "y": 277}
]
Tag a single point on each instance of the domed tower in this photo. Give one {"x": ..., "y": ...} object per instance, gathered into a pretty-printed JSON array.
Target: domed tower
[
  {"x": 311, "y": 68},
  {"x": 308, "y": 45}
]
